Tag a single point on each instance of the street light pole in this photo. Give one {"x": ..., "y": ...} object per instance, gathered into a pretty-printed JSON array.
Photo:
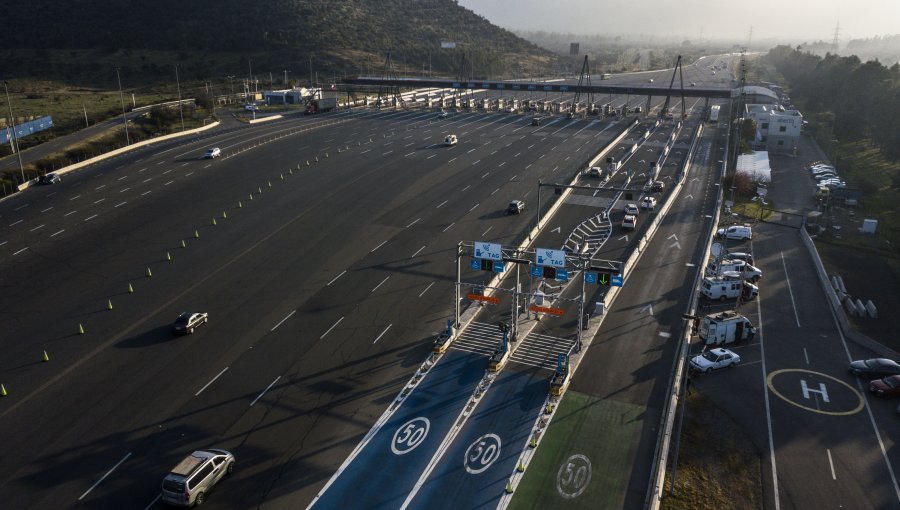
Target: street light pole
[
  {"x": 122, "y": 98},
  {"x": 180, "y": 108},
  {"x": 12, "y": 125}
]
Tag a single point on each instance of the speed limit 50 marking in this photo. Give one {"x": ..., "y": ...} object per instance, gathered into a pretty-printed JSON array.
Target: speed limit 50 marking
[
  {"x": 410, "y": 435},
  {"x": 482, "y": 453},
  {"x": 573, "y": 476}
]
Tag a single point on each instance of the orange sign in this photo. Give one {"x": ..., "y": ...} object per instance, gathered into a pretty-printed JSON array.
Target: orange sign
[
  {"x": 479, "y": 297},
  {"x": 544, "y": 309}
]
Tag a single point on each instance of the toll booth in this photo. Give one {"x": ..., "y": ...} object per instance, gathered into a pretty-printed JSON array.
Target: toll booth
[
  {"x": 443, "y": 339},
  {"x": 500, "y": 355},
  {"x": 560, "y": 380}
]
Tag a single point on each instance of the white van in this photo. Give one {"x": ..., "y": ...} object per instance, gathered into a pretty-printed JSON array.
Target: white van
[
  {"x": 741, "y": 267},
  {"x": 450, "y": 140},
  {"x": 728, "y": 286},
  {"x": 725, "y": 328},
  {"x": 740, "y": 232}
]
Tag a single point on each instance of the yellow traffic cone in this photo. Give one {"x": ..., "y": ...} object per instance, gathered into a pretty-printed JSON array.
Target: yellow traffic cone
[
  {"x": 259, "y": 189},
  {"x": 149, "y": 273},
  {"x": 509, "y": 488},
  {"x": 270, "y": 184},
  {"x": 520, "y": 468},
  {"x": 196, "y": 234},
  {"x": 109, "y": 304},
  {"x": 130, "y": 289},
  {"x": 532, "y": 443},
  {"x": 45, "y": 357},
  {"x": 214, "y": 222},
  {"x": 282, "y": 176},
  {"x": 183, "y": 244},
  {"x": 224, "y": 215},
  {"x": 2, "y": 390},
  {"x": 240, "y": 205},
  {"x": 307, "y": 162},
  {"x": 80, "y": 329},
  {"x": 169, "y": 256}
]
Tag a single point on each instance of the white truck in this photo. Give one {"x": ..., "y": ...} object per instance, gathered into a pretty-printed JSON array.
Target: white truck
[
  {"x": 725, "y": 328},
  {"x": 729, "y": 285},
  {"x": 748, "y": 271}
]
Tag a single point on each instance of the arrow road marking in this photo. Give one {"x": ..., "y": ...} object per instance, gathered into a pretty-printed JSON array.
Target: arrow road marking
[
  {"x": 558, "y": 230},
  {"x": 624, "y": 238},
  {"x": 649, "y": 308}
]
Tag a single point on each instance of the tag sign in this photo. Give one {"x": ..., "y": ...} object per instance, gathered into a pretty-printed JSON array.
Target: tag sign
[
  {"x": 488, "y": 251},
  {"x": 547, "y": 257}
]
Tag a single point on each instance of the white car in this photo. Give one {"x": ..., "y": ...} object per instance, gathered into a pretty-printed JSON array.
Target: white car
[
  {"x": 739, "y": 232},
  {"x": 212, "y": 153},
  {"x": 632, "y": 209},
  {"x": 715, "y": 359},
  {"x": 648, "y": 203},
  {"x": 450, "y": 141},
  {"x": 443, "y": 115},
  {"x": 629, "y": 222},
  {"x": 251, "y": 107}
]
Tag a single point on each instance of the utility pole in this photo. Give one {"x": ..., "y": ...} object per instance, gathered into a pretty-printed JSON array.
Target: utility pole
[
  {"x": 180, "y": 108},
  {"x": 12, "y": 125},
  {"x": 310, "y": 72},
  {"x": 122, "y": 98},
  {"x": 286, "y": 71}
]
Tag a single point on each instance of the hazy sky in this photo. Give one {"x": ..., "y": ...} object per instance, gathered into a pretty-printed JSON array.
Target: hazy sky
[{"x": 793, "y": 20}]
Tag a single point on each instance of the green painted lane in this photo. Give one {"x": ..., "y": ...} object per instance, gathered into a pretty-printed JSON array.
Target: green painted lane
[{"x": 586, "y": 457}]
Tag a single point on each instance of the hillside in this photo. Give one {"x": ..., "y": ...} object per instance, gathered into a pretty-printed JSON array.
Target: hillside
[{"x": 80, "y": 40}]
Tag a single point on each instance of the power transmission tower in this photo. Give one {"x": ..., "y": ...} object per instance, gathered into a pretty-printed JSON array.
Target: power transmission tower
[{"x": 834, "y": 42}]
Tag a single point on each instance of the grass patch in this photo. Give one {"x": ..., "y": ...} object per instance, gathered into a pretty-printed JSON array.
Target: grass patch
[
  {"x": 717, "y": 466},
  {"x": 750, "y": 209}
]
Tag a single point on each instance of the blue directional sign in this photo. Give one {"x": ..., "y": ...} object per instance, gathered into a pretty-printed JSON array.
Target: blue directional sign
[
  {"x": 562, "y": 275},
  {"x": 475, "y": 264},
  {"x": 617, "y": 280},
  {"x": 498, "y": 267},
  {"x": 490, "y": 251},
  {"x": 537, "y": 271},
  {"x": 590, "y": 278},
  {"x": 548, "y": 257}
]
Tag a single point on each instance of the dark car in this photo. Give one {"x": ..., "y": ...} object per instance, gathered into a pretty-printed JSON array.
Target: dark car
[
  {"x": 187, "y": 322},
  {"x": 875, "y": 367},
  {"x": 515, "y": 207},
  {"x": 49, "y": 179},
  {"x": 886, "y": 387}
]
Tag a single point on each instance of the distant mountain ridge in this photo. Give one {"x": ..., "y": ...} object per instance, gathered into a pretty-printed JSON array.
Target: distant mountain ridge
[{"x": 343, "y": 36}]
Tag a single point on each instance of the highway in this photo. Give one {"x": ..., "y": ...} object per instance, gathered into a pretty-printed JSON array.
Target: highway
[{"x": 325, "y": 283}]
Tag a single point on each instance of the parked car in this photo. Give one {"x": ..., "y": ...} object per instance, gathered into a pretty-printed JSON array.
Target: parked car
[
  {"x": 49, "y": 179},
  {"x": 715, "y": 359},
  {"x": 740, "y": 255},
  {"x": 740, "y": 232},
  {"x": 886, "y": 387},
  {"x": 187, "y": 322},
  {"x": 251, "y": 107},
  {"x": 515, "y": 207},
  {"x": 188, "y": 483},
  {"x": 875, "y": 367},
  {"x": 648, "y": 203},
  {"x": 212, "y": 153}
]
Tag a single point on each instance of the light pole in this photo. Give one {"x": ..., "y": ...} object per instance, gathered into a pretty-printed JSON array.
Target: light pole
[
  {"x": 286, "y": 71},
  {"x": 180, "y": 108},
  {"x": 12, "y": 125},
  {"x": 122, "y": 98}
]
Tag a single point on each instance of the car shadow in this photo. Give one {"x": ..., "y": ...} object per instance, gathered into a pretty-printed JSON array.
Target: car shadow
[{"x": 155, "y": 336}]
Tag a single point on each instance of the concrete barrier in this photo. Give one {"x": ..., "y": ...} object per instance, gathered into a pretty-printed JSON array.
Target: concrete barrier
[{"x": 265, "y": 119}]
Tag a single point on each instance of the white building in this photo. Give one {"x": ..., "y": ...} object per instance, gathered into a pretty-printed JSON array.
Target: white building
[{"x": 777, "y": 129}]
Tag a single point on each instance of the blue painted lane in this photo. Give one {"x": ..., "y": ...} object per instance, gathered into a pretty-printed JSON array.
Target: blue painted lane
[
  {"x": 385, "y": 471},
  {"x": 474, "y": 471}
]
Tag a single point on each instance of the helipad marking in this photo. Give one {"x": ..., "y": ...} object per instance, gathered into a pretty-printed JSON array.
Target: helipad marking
[{"x": 771, "y": 386}]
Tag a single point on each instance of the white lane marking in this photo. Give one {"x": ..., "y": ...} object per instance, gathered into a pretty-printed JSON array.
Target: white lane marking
[
  {"x": 89, "y": 218},
  {"x": 47, "y": 209},
  {"x": 153, "y": 502},
  {"x": 448, "y": 227},
  {"x": 189, "y": 174},
  {"x": 486, "y": 231},
  {"x": 286, "y": 317},
  {"x": 332, "y": 327},
  {"x": 379, "y": 246},
  {"x": 790, "y": 290},
  {"x": 806, "y": 355},
  {"x": 21, "y": 207},
  {"x": 98, "y": 201},
  {"x": 98, "y": 188},
  {"x": 20, "y": 251},
  {"x": 124, "y": 190},
  {"x": 184, "y": 164},
  {"x": 410, "y": 143},
  {"x": 426, "y": 289},
  {"x": 442, "y": 203},
  {"x": 529, "y": 166},
  {"x": 60, "y": 232},
  {"x": 386, "y": 153},
  {"x": 37, "y": 228},
  {"x": 451, "y": 160},
  {"x": 4, "y": 242},
  {"x": 831, "y": 464},
  {"x": 380, "y": 284},
  {"x": 414, "y": 222},
  {"x": 762, "y": 350},
  {"x": 689, "y": 264},
  {"x": 161, "y": 163},
  {"x": 501, "y": 164},
  {"x": 146, "y": 192},
  {"x": 495, "y": 191},
  {"x": 122, "y": 178},
  {"x": 70, "y": 213},
  {"x": 485, "y": 175},
  {"x": 120, "y": 204},
  {"x": 210, "y": 381},
  {"x": 467, "y": 187},
  {"x": 265, "y": 390},
  {"x": 429, "y": 157},
  {"x": 417, "y": 252},
  {"x": 517, "y": 155},
  {"x": 408, "y": 155},
  {"x": 470, "y": 151},
  {"x": 15, "y": 223},
  {"x": 382, "y": 333},
  {"x": 148, "y": 180},
  {"x": 104, "y": 476},
  {"x": 336, "y": 277},
  {"x": 475, "y": 163},
  {"x": 73, "y": 198},
  {"x": 474, "y": 206},
  {"x": 207, "y": 166},
  {"x": 495, "y": 152},
  {"x": 365, "y": 151},
  {"x": 142, "y": 169},
  {"x": 170, "y": 182}
]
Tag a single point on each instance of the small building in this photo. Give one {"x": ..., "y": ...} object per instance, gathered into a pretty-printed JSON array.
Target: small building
[
  {"x": 756, "y": 166},
  {"x": 777, "y": 129},
  {"x": 287, "y": 96}
]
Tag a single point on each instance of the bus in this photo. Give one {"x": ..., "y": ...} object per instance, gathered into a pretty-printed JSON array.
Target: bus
[{"x": 714, "y": 113}]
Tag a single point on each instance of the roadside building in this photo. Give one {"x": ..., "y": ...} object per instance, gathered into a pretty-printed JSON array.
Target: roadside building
[{"x": 777, "y": 129}]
